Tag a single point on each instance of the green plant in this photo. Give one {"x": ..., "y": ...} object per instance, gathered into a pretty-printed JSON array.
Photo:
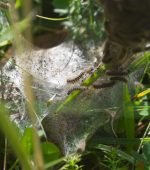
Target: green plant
[
  {"x": 114, "y": 158},
  {"x": 71, "y": 162},
  {"x": 111, "y": 159}
]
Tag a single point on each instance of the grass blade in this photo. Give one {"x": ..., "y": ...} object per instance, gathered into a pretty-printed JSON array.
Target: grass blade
[
  {"x": 128, "y": 115},
  {"x": 13, "y": 138}
]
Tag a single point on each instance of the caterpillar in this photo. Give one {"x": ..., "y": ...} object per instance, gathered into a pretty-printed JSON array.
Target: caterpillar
[
  {"x": 77, "y": 78},
  {"x": 119, "y": 78},
  {"x": 82, "y": 88},
  {"x": 103, "y": 85},
  {"x": 116, "y": 72}
]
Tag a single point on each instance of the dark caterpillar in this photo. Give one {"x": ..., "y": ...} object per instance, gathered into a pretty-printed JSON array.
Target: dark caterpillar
[
  {"x": 116, "y": 75},
  {"x": 119, "y": 78},
  {"x": 116, "y": 72},
  {"x": 82, "y": 88},
  {"x": 103, "y": 85}
]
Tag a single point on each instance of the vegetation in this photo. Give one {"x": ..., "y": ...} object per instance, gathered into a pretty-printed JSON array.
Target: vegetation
[{"x": 25, "y": 149}]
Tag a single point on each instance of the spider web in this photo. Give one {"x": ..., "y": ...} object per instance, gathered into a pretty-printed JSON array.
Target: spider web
[{"x": 80, "y": 119}]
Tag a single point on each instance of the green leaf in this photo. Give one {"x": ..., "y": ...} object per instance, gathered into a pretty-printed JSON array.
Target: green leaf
[
  {"x": 26, "y": 141},
  {"x": 50, "y": 152}
]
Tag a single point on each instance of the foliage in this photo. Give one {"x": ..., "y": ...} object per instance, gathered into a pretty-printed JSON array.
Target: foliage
[
  {"x": 25, "y": 144},
  {"x": 84, "y": 19},
  {"x": 114, "y": 158}
]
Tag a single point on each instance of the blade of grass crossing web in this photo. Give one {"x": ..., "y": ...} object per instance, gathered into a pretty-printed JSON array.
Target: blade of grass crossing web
[
  {"x": 128, "y": 115},
  {"x": 98, "y": 73}
]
